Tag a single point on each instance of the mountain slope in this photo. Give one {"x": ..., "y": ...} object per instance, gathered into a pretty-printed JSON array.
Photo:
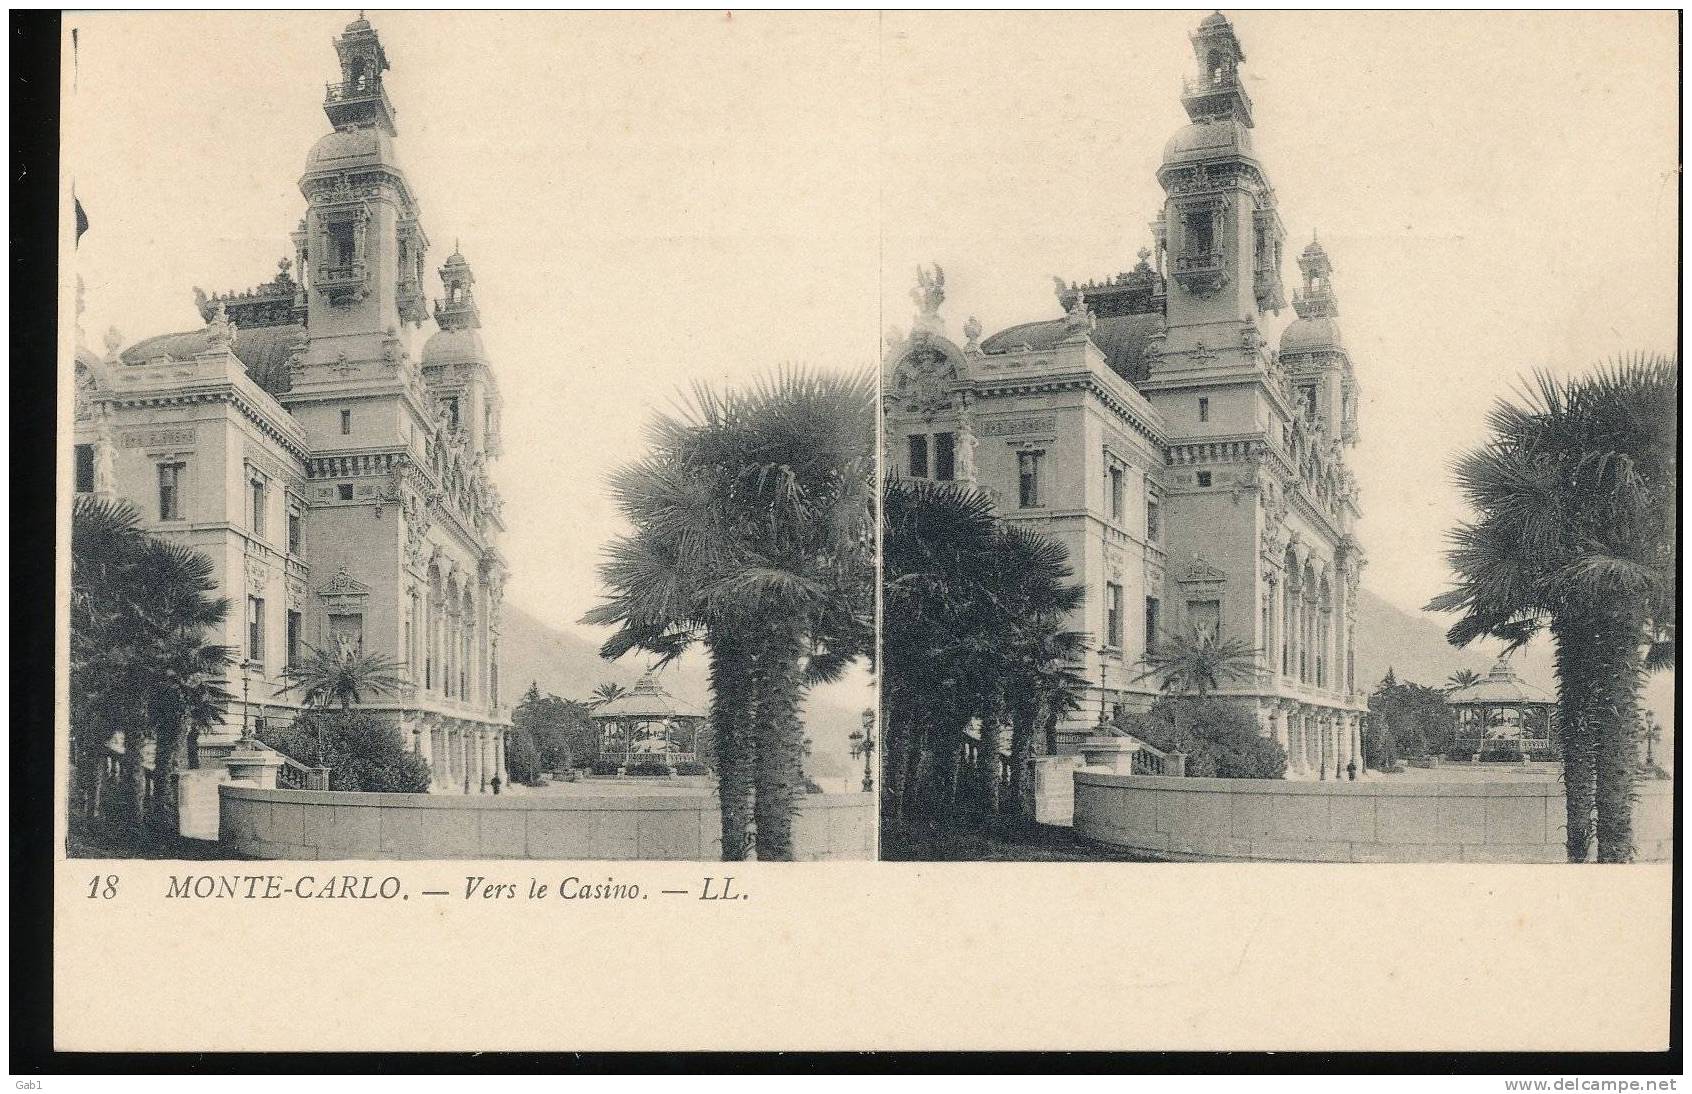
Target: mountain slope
[
  {"x": 568, "y": 664},
  {"x": 1413, "y": 646}
]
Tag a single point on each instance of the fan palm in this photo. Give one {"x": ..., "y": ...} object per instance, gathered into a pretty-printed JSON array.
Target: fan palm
[
  {"x": 1199, "y": 663},
  {"x": 341, "y": 677},
  {"x": 974, "y": 617},
  {"x": 753, "y": 536},
  {"x": 607, "y": 693},
  {"x": 139, "y": 662},
  {"x": 1462, "y": 678},
  {"x": 1575, "y": 496}
]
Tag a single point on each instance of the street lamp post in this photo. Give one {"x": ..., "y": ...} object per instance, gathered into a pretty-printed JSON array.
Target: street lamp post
[
  {"x": 863, "y": 744},
  {"x": 246, "y": 704}
]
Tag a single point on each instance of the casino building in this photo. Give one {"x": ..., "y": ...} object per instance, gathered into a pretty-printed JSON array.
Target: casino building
[
  {"x": 327, "y": 452},
  {"x": 1194, "y": 467}
]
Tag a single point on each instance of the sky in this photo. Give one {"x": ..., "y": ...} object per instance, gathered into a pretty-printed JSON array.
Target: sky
[{"x": 650, "y": 200}]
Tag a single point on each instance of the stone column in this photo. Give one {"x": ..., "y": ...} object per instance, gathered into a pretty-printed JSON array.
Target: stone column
[
  {"x": 1357, "y": 740},
  {"x": 484, "y": 760},
  {"x": 1278, "y": 726},
  {"x": 504, "y": 775},
  {"x": 425, "y": 746},
  {"x": 1321, "y": 757}
]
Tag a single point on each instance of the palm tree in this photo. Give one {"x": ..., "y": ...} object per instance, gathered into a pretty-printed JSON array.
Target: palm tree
[
  {"x": 1575, "y": 496},
  {"x": 1462, "y": 678},
  {"x": 973, "y": 628},
  {"x": 608, "y": 692},
  {"x": 341, "y": 677},
  {"x": 139, "y": 662},
  {"x": 1198, "y": 664},
  {"x": 753, "y": 536}
]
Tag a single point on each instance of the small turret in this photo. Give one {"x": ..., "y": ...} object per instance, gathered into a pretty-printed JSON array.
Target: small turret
[
  {"x": 458, "y": 311},
  {"x": 1217, "y": 91},
  {"x": 359, "y": 100}
]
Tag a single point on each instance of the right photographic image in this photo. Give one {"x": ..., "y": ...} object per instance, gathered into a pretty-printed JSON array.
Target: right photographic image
[{"x": 1279, "y": 456}]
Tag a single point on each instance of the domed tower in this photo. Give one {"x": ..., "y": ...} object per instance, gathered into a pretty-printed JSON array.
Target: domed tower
[
  {"x": 361, "y": 249},
  {"x": 455, "y": 364},
  {"x": 1314, "y": 356},
  {"x": 1220, "y": 236}
]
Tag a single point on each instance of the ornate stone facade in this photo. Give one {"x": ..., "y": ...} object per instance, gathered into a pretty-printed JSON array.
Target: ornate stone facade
[
  {"x": 1195, "y": 472},
  {"x": 334, "y": 469}
]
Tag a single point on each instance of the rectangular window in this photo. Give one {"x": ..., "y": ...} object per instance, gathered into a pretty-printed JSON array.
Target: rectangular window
[
  {"x": 1204, "y": 409},
  {"x": 343, "y": 249},
  {"x": 344, "y": 491},
  {"x": 170, "y": 491},
  {"x": 296, "y": 531},
  {"x": 1028, "y": 479},
  {"x": 918, "y": 455},
  {"x": 84, "y": 469},
  {"x": 1113, "y": 614},
  {"x": 1154, "y": 521},
  {"x": 255, "y": 629},
  {"x": 346, "y": 422},
  {"x": 1205, "y": 617},
  {"x": 258, "y": 506},
  {"x": 1204, "y": 478},
  {"x": 1116, "y": 477},
  {"x": 945, "y": 456},
  {"x": 1199, "y": 239},
  {"x": 1151, "y": 623},
  {"x": 293, "y": 638}
]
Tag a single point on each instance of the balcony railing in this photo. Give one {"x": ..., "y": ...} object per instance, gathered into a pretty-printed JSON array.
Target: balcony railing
[
  {"x": 1222, "y": 83},
  {"x": 351, "y": 89},
  {"x": 1209, "y": 262}
]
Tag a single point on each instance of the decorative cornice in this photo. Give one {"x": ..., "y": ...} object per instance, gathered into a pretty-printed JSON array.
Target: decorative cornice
[
  {"x": 249, "y": 409},
  {"x": 1075, "y": 381}
]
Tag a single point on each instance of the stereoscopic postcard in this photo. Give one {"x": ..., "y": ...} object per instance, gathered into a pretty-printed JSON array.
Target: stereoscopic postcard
[{"x": 808, "y": 531}]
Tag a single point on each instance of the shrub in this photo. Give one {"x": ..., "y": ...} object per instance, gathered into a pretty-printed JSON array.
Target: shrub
[
  {"x": 689, "y": 767},
  {"x": 1219, "y": 738},
  {"x": 606, "y": 767},
  {"x": 649, "y": 768},
  {"x": 1380, "y": 751},
  {"x": 360, "y": 751},
  {"x": 522, "y": 760},
  {"x": 1421, "y": 761},
  {"x": 811, "y": 787}
]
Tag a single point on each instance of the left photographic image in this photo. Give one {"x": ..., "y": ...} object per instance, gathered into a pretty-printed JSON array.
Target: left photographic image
[{"x": 517, "y": 502}]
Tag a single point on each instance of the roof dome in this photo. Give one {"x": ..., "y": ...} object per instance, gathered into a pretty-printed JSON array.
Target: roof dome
[
  {"x": 1209, "y": 139},
  {"x": 646, "y": 700},
  {"x": 346, "y": 148},
  {"x": 1309, "y": 335},
  {"x": 1500, "y": 685},
  {"x": 459, "y": 344}
]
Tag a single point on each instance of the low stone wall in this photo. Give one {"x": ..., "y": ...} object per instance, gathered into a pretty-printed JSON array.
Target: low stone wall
[
  {"x": 1384, "y": 821},
  {"x": 319, "y": 824}
]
